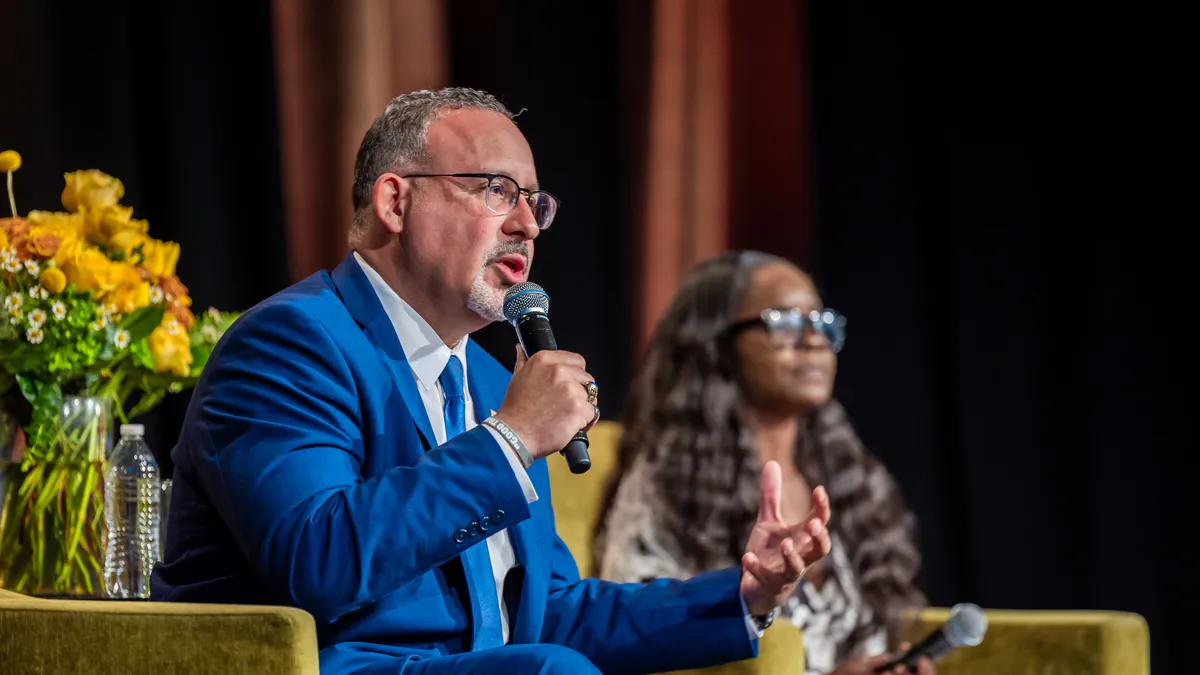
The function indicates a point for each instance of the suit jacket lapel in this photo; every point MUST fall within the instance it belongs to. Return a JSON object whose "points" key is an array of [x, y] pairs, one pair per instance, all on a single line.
{"points": [[360, 298]]}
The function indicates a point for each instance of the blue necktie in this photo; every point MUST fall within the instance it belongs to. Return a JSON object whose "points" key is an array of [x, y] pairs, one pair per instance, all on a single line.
{"points": [[476, 561]]}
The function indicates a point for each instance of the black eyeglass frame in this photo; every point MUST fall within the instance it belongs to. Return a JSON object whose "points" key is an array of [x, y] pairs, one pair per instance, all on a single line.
{"points": [[529, 194], [828, 322]]}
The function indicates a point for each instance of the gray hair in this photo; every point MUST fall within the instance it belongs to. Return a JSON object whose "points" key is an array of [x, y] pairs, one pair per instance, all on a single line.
{"points": [[398, 136]]}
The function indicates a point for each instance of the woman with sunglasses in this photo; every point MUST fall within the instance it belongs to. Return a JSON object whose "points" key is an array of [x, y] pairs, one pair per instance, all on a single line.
{"points": [[739, 372]]}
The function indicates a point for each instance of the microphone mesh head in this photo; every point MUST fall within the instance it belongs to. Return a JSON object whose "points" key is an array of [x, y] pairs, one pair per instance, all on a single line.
{"points": [[967, 625], [523, 297]]}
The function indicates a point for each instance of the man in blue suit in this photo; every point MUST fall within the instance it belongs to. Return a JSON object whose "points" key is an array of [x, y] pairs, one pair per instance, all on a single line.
{"points": [[350, 451]]}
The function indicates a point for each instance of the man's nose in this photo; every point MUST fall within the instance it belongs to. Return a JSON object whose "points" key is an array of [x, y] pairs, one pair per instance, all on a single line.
{"points": [[521, 220]]}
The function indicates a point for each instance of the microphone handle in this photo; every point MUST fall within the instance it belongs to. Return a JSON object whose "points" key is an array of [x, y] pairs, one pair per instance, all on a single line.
{"points": [[533, 330], [935, 645], [576, 452]]}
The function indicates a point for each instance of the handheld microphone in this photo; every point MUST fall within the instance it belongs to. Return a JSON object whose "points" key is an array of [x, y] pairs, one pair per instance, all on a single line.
{"points": [[965, 628], [527, 308]]}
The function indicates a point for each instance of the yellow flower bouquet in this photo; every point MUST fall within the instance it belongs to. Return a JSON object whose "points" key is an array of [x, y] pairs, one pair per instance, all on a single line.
{"points": [[93, 320]]}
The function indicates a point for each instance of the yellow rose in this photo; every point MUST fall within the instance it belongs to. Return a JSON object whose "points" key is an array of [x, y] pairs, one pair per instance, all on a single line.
{"points": [[131, 291], [161, 258], [92, 190], [53, 280], [171, 347], [91, 270], [10, 160], [158, 257], [102, 224], [52, 235]]}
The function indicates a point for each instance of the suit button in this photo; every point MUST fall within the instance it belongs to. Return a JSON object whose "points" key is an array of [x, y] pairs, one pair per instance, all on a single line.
{"points": [[473, 530], [485, 523], [460, 536], [498, 516]]}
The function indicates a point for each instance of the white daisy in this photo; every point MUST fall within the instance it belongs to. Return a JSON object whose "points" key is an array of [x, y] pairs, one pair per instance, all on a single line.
{"points": [[59, 310], [37, 317], [14, 316], [121, 338], [14, 301], [214, 314], [34, 335], [43, 293], [173, 327], [32, 267], [12, 264], [156, 295], [209, 332], [100, 324]]}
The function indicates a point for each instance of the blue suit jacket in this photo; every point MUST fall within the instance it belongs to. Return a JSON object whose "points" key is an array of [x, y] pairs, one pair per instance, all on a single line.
{"points": [[306, 474]]}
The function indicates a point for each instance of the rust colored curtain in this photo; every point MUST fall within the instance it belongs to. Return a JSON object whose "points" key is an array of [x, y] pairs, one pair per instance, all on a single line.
{"points": [[684, 202], [725, 149], [339, 63]]}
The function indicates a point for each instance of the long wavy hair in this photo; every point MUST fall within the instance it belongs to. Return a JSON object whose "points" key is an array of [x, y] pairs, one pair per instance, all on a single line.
{"points": [[683, 424]]}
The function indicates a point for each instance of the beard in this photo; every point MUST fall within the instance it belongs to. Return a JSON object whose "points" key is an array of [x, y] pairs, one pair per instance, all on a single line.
{"points": [[484, 299]]}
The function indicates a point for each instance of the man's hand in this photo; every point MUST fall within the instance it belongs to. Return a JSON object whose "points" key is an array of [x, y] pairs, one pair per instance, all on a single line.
{"points": [[546, 403], [866, 665], [778, 552]]}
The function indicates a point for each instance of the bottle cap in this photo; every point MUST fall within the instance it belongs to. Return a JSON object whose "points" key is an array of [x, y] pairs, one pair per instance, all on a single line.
{"points": [[132, 429]]}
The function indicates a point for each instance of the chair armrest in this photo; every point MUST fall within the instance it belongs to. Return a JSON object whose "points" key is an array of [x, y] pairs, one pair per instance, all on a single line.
{"points": [[1047, 643], [780, 652], [84, 636]]}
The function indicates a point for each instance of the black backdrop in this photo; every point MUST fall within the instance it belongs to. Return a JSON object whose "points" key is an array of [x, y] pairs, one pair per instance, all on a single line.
{"points": [[178, 101], [996, 194], [993, 198], [563, 69]]}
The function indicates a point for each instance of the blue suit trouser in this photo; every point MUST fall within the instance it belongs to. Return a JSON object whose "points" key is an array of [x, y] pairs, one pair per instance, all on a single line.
{"points": [[540, 659]]}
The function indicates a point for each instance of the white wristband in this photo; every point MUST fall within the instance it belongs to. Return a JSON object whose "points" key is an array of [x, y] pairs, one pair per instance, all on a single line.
{"points": [[513, 440]]}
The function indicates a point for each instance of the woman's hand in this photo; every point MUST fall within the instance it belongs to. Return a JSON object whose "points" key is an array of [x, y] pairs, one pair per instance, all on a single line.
{"points": [[866, 665]]}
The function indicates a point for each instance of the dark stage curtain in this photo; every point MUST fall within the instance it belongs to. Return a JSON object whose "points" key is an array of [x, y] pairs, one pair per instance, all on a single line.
{"points": [[175, 99], [994, 197], [559, 62]]}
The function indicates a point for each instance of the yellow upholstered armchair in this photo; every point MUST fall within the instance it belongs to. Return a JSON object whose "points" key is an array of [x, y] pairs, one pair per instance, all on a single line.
{"points": [[1045, 643], [82, 636], [102, 636]]}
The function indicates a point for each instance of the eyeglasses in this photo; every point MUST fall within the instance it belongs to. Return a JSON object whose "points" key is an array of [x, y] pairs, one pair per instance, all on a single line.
{"points": [[500, 194], [786, 327]]}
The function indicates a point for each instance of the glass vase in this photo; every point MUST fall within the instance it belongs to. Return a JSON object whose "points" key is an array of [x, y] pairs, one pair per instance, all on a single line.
{"points": [[52, 519]]}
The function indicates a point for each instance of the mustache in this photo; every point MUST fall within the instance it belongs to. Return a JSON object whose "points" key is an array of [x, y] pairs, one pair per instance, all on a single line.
{"points": [[508, 248]]}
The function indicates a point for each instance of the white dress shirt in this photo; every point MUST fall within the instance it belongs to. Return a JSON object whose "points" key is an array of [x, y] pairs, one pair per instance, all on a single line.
{"points": [[427, 355]]}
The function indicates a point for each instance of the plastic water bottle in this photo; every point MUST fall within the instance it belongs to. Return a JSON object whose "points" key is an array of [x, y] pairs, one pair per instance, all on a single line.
{"points": [[131, 511]]}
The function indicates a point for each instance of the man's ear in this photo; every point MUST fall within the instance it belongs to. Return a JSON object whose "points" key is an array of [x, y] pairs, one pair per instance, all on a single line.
{"points": [[390, 198]]}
